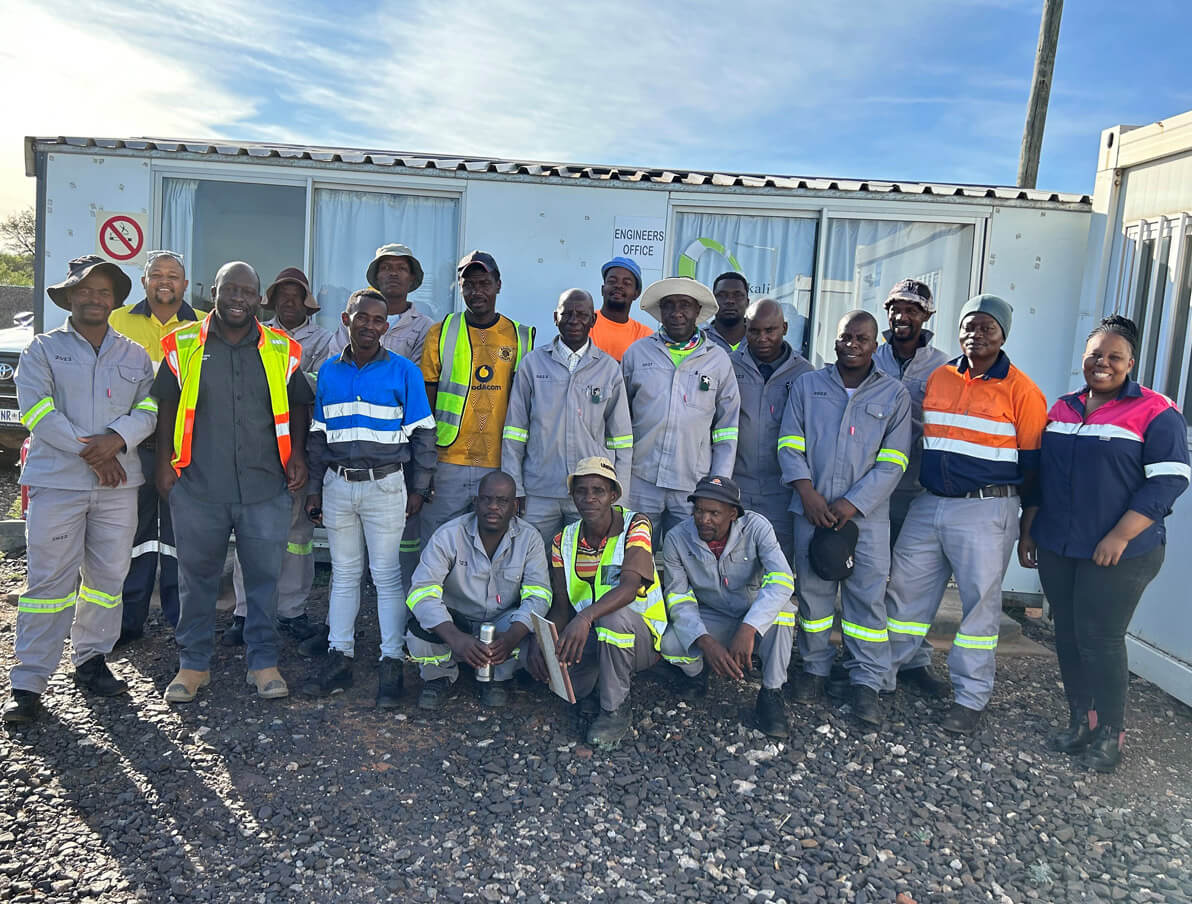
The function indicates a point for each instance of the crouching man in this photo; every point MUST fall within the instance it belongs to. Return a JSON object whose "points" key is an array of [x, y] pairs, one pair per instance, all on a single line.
{"points": [[728, 589], [607, 601], [483, 566]]}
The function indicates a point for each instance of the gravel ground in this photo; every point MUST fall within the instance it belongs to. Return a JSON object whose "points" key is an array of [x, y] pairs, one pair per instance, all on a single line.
{"points": [[236, 799]]}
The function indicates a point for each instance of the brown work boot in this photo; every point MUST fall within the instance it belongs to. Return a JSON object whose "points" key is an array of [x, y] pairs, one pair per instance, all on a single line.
{"points": [[268, 682], [185, 685]]}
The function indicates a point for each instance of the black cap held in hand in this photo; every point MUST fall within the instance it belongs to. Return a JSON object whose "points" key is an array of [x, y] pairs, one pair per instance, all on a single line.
{"points": [[832, 551]]}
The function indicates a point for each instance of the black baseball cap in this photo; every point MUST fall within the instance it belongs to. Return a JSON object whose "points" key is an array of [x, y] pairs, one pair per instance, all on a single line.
{"points": [[832, 551], [721, 489], [481, 258]]}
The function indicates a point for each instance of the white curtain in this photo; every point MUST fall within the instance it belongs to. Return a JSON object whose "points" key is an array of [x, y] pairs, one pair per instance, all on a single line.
{"points": [[351, 225], [775, 254], [178, 222], [865, 258]]}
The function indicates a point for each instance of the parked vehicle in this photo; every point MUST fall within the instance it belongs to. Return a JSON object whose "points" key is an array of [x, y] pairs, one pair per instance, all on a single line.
{"points": [[12, 342]]}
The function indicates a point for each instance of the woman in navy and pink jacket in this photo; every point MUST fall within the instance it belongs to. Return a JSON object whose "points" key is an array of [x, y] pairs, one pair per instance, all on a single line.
{"points": [[1114, 459]]}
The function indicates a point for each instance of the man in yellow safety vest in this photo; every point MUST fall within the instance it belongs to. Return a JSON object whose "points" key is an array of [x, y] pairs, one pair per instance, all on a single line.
{"points": [[231, 437], [468, 362]]}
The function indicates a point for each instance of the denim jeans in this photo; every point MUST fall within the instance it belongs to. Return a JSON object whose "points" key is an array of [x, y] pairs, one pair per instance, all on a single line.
{"points": [[371, 512], [201, 529]]}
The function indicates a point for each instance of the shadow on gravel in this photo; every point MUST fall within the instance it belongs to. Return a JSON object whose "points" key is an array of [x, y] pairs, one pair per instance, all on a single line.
{"points": [[154, 806]]}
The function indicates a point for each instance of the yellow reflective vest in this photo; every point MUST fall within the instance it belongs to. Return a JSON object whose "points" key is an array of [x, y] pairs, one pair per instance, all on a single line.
{"points": [[183, 348], [455, 380], [648, 603]]}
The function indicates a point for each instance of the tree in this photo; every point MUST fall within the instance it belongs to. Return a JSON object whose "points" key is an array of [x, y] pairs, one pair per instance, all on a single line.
{"points": [[19, 232], [16, 269]]}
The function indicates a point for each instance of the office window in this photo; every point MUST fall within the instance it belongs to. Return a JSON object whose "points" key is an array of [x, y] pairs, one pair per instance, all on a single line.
{"points": [[776, 254], [211, 222], [865, 258], [350, 225]]}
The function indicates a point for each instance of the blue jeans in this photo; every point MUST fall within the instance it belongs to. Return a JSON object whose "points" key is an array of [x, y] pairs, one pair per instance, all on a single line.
{"points": [[371, 512], [201, 529]]}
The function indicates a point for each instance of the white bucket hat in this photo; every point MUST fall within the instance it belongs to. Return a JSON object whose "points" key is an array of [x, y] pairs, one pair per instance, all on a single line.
{"points": [[679, 285]]}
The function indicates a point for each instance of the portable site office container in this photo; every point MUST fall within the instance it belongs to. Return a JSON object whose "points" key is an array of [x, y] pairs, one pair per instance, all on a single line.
{"points": [[820, 246], [1140, 265]]}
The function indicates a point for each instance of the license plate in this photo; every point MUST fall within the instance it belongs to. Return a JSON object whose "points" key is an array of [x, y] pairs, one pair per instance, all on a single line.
{"points": [[10, 416]]}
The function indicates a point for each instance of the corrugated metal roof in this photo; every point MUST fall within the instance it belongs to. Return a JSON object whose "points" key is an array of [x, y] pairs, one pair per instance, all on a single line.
{"points": [[565, 171]]}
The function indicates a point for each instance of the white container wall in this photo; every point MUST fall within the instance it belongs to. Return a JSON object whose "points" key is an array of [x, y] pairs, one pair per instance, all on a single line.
{"points": [[1140, 265], [822, 247]]}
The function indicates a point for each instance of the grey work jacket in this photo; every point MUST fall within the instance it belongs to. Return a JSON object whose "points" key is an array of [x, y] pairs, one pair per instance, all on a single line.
{"points": [[855, 447], [685, 418], [456, 574], [751, 580], [67, 391], [710, 331], [405, 338], [913, 375], [762, 404], [557, 417], [316, 342]]}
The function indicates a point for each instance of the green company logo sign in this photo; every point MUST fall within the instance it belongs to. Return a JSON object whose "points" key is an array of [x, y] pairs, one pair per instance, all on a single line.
{"points": [[691, 255]]}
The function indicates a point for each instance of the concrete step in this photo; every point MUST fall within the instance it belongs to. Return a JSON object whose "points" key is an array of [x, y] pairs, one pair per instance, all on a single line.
{"points": [[947, 620]]}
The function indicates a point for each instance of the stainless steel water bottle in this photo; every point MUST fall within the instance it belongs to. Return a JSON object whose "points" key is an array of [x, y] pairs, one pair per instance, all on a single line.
{"points": [[487, 632]]}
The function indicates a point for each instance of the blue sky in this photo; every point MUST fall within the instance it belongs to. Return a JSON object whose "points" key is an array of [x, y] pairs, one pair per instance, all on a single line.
{"points": [[931, 90]]}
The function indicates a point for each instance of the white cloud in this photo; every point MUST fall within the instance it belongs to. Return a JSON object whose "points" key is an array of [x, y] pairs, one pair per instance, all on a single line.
{"points": [[672, 83], [67, 79]]}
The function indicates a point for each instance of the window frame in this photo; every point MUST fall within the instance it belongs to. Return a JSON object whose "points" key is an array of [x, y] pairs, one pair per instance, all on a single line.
{"points": [[825, 211], [309, 179], [1123, 297]]}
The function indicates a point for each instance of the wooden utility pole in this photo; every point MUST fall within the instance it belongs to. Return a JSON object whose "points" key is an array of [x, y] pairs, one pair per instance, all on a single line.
{"points": [[1036, 111]]}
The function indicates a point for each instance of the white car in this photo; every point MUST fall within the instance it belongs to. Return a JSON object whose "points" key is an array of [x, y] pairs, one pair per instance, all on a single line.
{"points": [[12, 342]]}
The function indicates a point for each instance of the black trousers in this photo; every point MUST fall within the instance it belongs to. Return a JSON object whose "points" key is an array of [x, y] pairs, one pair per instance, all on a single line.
{"points": [[153, 546], [1092, 607]]}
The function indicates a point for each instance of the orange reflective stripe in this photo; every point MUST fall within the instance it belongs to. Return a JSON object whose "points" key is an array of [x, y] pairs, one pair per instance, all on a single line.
{"points": [[281, 357]]}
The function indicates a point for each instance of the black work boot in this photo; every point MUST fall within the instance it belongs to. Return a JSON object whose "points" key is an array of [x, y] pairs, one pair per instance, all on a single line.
{"points": [[866, 705], [435, 693], [1076, 736], [390, 683], [23, 708], [961, 720], [589, 706], [771, 713], [333, 677], [694, 687], [924, 682], [493, 693], [128, 636], [95, 677], [233, 635], [809, 688], [1104, 750], [316, 645], [610, 727], [299, 627], [838, 686]]}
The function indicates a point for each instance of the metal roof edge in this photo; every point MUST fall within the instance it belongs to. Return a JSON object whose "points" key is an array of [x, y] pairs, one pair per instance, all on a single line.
{"points": [[541, 171]]}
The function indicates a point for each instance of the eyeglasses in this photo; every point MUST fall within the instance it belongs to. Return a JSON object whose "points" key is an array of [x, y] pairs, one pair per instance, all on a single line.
{"points": [[152, 256]]}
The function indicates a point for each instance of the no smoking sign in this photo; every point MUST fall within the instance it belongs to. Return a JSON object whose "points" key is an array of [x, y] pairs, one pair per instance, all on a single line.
{"points": [[121, 236]]}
